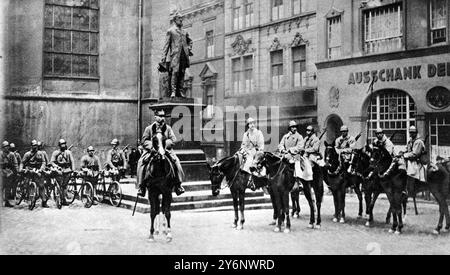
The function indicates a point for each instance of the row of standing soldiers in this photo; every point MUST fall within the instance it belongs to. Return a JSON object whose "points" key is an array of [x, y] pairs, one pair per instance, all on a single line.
{"points": [[12, 163]]}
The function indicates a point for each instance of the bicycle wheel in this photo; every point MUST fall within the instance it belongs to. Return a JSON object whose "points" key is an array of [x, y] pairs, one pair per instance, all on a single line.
{"points": [[87, 194], [18, 197], [32, 195], [115, 193], [71, 192], [100, 191], [57, 194]]}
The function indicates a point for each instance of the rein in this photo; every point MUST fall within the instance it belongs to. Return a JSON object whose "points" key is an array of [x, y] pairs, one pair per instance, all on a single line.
{"points": [[338, 168]]}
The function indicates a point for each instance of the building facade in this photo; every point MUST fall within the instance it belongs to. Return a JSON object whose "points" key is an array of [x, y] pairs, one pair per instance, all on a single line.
{"points": [[385, 64], [270, 55]]}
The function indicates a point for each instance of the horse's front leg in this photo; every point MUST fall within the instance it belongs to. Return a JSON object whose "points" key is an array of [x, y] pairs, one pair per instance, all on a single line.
{"points": [[342, 204], [275, 208], [236, 208], [360, 199], [318, 192], [286, 211], [371, 206], [336, 205], [166, 202], [308, 196], [241, 209], [154, 211]]}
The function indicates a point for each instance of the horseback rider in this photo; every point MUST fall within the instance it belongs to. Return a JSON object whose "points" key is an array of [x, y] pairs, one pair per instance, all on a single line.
{"points": [[252, 142], [159, 126], [290, 147], [63, 159], [34, 159], [312, 145], [90, 164], [382, 141], [344, 147], [9, 169], [415, 149], [115, 158]]}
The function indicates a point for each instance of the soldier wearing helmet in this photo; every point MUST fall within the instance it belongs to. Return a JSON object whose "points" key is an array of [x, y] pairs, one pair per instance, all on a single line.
{"points": [[9, 168], [34, 159], [345, 144], [414, 151], [63, 159], [13, 149], [159, 126], [90, 164], [382, 141], [290, 147], [41, 149], [116, 159], [312, 144]]}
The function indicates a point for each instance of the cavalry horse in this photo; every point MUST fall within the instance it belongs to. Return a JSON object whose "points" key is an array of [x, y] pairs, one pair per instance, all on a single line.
{"points": [[393, 181], [159, 178], [228, 172]]}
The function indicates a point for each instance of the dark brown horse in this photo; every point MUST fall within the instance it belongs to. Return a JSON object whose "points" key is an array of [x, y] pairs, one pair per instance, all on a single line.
{"points": [[228, 173], [393, 181], [159, 178], [439, 185]]}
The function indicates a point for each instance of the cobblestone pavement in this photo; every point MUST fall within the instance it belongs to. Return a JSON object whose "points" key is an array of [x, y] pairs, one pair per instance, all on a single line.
{"points": [[107, 230]]}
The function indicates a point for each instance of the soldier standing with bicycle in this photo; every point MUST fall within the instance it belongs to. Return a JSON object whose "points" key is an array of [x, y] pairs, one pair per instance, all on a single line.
{"points": [[9, 168], [115, 159], [90, 164], [34, 159], [63, 159]]}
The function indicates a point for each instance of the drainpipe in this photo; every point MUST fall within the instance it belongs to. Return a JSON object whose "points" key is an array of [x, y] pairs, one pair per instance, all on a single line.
{"points": [[140, 67]]}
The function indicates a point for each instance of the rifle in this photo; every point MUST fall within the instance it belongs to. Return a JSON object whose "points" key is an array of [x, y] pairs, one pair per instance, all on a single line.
{"points": [[126, 147], [324, 132], [358, 136]]}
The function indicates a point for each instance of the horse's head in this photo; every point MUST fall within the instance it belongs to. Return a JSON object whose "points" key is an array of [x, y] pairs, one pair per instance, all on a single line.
{"points": [[380, 159], [331, 155], [222, 171], [159, 143], [359, 160]]}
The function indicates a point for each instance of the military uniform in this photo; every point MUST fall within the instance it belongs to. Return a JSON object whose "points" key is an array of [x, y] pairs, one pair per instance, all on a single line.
{"points": [[252, 142], [115, 159], [9, 169], [344, 147], [93, 166], [35, 160], [414, 151], [149, 132], [384, 143], [65, 161], [291, 144], [311, 148]]}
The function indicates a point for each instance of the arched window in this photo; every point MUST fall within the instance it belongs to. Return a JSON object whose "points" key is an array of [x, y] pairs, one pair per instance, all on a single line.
{"points": [[394, 111]]}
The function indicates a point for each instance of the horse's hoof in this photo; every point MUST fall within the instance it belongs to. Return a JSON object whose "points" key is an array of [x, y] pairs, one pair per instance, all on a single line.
{"points": [[234, 226], [276, 230], [297, 216], [287, 231], [318, 226], [240, 227], [391, 231], [335, 220], [310, 226], [342, 221], [367, 224], [436, 232], [169, 237], [446, 229], [398, 233], [151, 239]]}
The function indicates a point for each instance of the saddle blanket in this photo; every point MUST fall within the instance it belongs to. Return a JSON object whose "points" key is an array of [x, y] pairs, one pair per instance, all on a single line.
{"points": [[416, 170], [303, 169]]}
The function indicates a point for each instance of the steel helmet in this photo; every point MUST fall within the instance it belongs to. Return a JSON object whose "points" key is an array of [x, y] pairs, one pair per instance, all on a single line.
{"points": [[413, 129], [61, 142], [12, 146], [90, 148], [34, 142], [5, 144], [251, 120], [293, 124], [115, 142], [379, 131], [160, 113], [310, 128], [344, 128]]}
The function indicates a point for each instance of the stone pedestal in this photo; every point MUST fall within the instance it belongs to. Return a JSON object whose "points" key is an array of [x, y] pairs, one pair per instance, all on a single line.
{"points": [[188, 147]]}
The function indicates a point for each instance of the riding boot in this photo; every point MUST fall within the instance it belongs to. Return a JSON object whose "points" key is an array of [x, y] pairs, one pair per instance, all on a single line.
{"points": [[179, 190]]}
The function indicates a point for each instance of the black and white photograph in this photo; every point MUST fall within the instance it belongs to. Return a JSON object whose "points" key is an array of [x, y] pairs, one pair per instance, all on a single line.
{"points": [[254, 128]]}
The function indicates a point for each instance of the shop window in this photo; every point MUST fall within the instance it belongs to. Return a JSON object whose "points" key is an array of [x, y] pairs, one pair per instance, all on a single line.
{"points": [[393, 111], [334, 37], [383, 29], [439, 21], [71, 39], [276, 60]]}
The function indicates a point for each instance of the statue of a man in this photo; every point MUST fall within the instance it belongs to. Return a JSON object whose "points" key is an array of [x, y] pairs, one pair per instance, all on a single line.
{"points": [[175, 57]]}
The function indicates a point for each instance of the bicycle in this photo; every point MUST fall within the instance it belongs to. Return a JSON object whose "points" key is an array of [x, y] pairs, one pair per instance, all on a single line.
{"points": [[114, 191], [27, 188], [52, 185], [85, 193]]}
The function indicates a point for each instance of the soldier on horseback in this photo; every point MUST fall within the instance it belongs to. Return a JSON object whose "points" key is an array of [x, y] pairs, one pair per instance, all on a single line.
{"points": [[382, 141], [415, 149], [290, 147], [344, 146], [252, 143], [159, 126], [311, 145]]}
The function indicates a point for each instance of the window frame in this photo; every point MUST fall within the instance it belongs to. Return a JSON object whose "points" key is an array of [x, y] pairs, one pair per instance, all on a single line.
{"points": [[210, 48], [279, 10], [237, 20], [242, 71], [446, 28], [280, 78], [301, 60], [300, 2], [249, 16], [329, 48], [91, 55]]}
